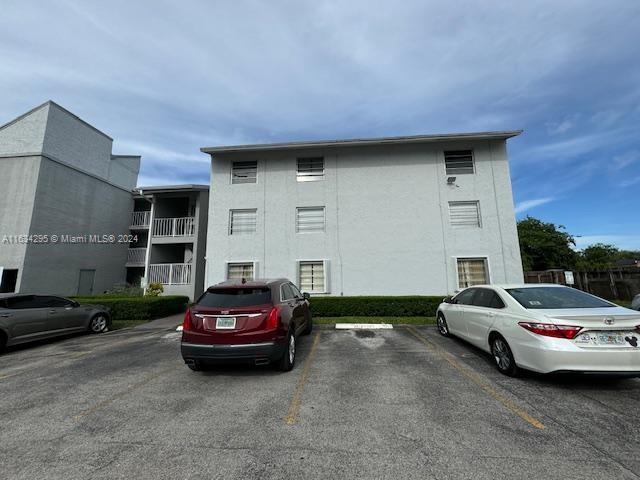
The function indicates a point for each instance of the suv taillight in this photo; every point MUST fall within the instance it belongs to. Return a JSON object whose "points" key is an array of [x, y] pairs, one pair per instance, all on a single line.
{"points": [[186, 323], [273, 319], [551, 329]]}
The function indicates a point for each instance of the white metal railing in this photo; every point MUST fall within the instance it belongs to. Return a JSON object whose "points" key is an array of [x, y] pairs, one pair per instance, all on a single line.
{"points": [[174, 227], [136, 256], [141, 219], [170, 273]]}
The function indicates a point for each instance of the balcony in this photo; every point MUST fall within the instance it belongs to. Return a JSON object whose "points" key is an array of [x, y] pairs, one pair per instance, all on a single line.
{"points": [[140, 220], [174, 227], [170, 273], [136, 257]]}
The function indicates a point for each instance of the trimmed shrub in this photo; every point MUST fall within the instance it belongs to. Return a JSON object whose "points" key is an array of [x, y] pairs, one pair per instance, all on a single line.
{"points": [[411, 306], [139, 308]]}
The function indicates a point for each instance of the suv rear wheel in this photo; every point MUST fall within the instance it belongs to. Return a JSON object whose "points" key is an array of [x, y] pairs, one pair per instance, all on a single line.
{"points": [[289, 358]]}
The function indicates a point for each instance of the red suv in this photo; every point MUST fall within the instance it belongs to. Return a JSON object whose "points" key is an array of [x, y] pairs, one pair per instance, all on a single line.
{"points": [[257, 321]]}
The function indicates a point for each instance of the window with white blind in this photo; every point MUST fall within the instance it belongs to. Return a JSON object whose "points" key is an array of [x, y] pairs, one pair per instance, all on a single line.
{"points": [[244, 172], [310, 169], [458, 162], [238, 271], [472, 271], [309, 219], [242, 221], [464, 214], [312, 276]]}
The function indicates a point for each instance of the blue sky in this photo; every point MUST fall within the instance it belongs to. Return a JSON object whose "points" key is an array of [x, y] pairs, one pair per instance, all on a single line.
{"points": [[166, 78]]}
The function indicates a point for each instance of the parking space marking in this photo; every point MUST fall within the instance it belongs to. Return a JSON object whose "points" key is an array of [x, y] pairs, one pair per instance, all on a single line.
{"points": [[125, 392], [296, 401], [478, 379]]}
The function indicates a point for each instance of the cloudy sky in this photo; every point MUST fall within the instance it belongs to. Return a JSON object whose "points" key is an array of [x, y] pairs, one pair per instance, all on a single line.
{"points": [[164, 78]]}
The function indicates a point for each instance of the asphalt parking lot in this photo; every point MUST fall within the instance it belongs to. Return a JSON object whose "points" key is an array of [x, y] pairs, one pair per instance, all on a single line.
{"points": [[402, 403]]}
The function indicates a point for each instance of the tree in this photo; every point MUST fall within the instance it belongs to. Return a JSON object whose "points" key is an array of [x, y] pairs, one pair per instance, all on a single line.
{"points": [[598, 256], [545, 245]]}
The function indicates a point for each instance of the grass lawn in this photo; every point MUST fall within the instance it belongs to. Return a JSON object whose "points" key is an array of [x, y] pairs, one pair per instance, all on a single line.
{"points": [[392, 320], [118, 324]]}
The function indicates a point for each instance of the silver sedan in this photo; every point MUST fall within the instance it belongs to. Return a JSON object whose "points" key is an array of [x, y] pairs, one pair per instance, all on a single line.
{"points": [[27, 318]]}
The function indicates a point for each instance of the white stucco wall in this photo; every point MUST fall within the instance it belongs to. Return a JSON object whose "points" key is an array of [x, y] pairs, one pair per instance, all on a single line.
{"points": [[387, 221]]}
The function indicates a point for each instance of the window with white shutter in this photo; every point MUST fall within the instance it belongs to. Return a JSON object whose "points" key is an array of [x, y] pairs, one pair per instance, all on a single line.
{"points": [[310, 169], [238, 271], [312, 276], [464, 214], [458, 162], [244, 172], [472, 271], [309, 219], [242, 221]]}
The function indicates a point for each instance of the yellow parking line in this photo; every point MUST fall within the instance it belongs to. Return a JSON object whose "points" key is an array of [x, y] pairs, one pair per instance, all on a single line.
{"points": [[478, 379], [296, 401]]}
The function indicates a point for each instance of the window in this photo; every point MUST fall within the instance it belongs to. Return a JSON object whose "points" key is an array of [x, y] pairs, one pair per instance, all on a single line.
{"points": [[556, 297], [487, 298], [244, 172], [286, 292], [235, 297], [310, 169], [296, 292], [238, 271], [464, 298], [309, 219], [22, 302], [8, 280], [242, 221], [312, 276], [54, 302], [472, 271], [458, 162], [464, 214]]}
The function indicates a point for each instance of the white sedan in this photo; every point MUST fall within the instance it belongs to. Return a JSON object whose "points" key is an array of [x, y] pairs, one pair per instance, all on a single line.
{"points": [[544, 328]]}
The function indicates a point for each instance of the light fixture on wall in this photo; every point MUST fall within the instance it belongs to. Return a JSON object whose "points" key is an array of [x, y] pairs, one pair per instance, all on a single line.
{"points": [[451, 180]]}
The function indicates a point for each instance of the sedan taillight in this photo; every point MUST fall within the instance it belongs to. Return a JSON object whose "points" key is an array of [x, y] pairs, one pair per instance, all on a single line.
{"points": [[552, 330]]}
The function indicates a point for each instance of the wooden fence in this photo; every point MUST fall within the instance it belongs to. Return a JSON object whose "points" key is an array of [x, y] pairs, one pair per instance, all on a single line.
{"points": [[612, 284]]}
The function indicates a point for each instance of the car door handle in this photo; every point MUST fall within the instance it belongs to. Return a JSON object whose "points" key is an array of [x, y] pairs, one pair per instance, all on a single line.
{"points": [[52, 311], [5, 315], [491, 314]]}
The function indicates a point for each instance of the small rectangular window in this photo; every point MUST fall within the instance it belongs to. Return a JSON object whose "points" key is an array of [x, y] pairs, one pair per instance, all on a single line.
{"points": [[472, 271], [310, 169], [238, 271], [312, 276], [464, 214], [244, 172], [242, 221], [458, 162], [309, 219]]}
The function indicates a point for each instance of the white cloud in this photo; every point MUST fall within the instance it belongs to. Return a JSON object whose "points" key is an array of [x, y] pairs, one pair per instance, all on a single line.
{"points": [[626, 159], [529, 204], [630, 181]]}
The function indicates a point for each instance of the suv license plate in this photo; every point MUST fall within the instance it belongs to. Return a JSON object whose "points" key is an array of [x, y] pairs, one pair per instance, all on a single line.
{"points": [[225, 323]]}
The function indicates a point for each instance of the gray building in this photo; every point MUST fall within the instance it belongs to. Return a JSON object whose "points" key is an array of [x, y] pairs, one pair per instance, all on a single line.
{"points": [[424, 215], [169, 226], [65, 202]]}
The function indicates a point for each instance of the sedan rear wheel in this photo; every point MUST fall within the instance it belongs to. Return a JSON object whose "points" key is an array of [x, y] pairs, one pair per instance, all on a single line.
{"points": [[502, 355], [98, 324], [443, 328]]}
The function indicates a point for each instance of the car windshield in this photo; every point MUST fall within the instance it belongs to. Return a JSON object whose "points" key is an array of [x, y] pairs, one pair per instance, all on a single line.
{"points": [[556, 297], [235, 297]]}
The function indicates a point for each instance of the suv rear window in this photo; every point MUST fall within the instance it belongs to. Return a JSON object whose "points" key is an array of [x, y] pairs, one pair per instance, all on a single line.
{"points": [[235, 297]]}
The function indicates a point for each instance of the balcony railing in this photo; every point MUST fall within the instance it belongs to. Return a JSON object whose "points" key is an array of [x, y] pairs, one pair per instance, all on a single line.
{"points": [[136, 256], [174, 227], [170, 273], [141, 219]]}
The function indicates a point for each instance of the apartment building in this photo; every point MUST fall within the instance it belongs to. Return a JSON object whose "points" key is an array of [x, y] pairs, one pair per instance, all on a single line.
{"points": [[418, 215], [169, 228], [63, 196]]}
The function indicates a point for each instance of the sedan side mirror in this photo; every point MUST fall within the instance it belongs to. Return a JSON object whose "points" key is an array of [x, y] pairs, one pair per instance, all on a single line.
{"points": [[306, 295], [448, 299]]}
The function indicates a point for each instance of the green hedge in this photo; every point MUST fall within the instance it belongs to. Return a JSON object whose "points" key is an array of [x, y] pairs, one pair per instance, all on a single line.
{"points": [[139, 308], [413, 306]]}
